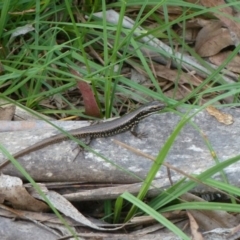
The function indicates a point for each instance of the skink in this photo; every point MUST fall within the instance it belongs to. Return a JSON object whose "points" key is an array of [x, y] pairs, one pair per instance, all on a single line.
{"points": [[105, 129]]}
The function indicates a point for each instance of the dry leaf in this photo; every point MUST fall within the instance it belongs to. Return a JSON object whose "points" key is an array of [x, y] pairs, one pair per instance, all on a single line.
{"points": [[220, 58], [91, 107], [232, 25], [196, 235], [224, 118], [65, 207], [7, 111], [178, 93], [235, 232], [212, 39], [12, 190]]}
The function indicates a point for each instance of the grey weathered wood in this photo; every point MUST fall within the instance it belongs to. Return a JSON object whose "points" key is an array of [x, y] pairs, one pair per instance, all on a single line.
{"points": [[189, 152]]}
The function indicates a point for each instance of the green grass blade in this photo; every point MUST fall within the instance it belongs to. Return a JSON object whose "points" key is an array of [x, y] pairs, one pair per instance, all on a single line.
{"points": [[144, 207]]}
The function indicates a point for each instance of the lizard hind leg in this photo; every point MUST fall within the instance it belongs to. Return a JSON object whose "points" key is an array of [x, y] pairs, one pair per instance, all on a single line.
{"points": [[137, 134], [87, 141]]}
